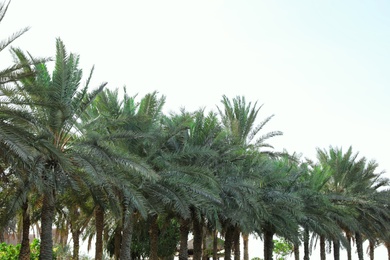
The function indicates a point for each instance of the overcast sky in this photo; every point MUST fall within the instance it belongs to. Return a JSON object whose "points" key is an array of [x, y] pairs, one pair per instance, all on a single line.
{"points": [[321, 67]]}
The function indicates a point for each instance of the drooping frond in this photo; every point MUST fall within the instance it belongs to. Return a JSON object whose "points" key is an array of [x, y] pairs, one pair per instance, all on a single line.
{"points": [[5, 43]]}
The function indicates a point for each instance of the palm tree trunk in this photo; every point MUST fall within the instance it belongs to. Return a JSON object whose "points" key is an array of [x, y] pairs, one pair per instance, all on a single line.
{"points": [[153, 232], [205, 246], [336, 250], [215, 245], [198, 234], [127, 235], [25, 247], [268, 244], [372, 249], [322, 248], [245, 241], [228, 242], [184, 231], [99, 219], [236, 243], [349, 248], [359, 245], [296, 251], [76, 232], [47, 214], [306, 238], [76, 243], [117, 241], [2, 239]]}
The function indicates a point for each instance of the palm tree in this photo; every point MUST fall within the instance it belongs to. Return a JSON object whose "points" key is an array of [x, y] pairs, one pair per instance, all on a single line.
{"points": [[183, 162], [319, 213], [239, 120], [353, 184], [203, 135], [282, 203], [13, 137], [55, 103], [119, 130]]}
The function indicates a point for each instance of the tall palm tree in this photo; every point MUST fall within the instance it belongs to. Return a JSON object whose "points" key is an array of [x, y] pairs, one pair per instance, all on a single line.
{"points": [[353, 183], [16, 153], [239, 120], [55, 103], [119, 129], [172, 148], [282, 202], [319, 211], [13, 136], [202, 141], [183, 162]]}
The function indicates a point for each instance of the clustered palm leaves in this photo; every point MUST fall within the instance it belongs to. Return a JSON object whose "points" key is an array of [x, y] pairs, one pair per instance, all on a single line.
{"points": [[103, 166]]}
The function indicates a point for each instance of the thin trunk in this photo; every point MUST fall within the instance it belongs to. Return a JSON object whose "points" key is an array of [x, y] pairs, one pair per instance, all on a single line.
{"points": [[268, 244], [296, 251], [359, 245], [229, 242], [127, 235], [372, 249], [63, 237], [322, 248], [236, 243], [336, 250], [76, 243], [306, 238], [184, 231], [99, 225], [205, 246], [76, 232], [117, 241], [47, 214], [25, 247], [153, 231], [2, 239], [198, 234], [245, 241], [349, 248], [215, 245]]}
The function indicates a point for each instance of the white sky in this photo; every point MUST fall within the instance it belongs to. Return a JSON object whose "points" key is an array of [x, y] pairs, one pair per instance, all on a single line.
{"points": [[322, 67]]}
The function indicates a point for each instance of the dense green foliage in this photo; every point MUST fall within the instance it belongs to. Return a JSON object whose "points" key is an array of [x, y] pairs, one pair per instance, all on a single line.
{"points": [[11, 252], [113, 168], [282, 248]]}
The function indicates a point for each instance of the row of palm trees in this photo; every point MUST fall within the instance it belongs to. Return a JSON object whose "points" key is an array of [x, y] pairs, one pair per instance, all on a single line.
{"points": [[99, 164]]}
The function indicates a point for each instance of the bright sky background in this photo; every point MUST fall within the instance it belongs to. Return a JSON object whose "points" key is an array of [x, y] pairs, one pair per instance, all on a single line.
{"points": [[322, 67]]}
